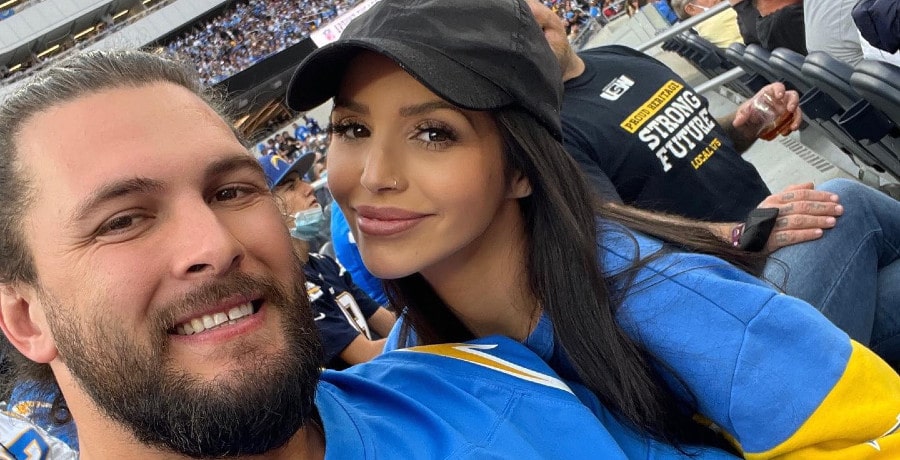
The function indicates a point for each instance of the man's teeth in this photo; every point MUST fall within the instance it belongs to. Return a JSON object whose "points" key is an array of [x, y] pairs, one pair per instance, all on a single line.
{"points": [[198, 325]]}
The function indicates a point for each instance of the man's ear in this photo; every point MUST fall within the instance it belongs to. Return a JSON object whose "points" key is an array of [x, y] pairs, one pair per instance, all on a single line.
{"points": [[519, 187], [24, 323]]}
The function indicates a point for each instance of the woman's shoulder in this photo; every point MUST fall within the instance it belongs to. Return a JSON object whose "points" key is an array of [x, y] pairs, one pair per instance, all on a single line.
{"points": [[620, 248], [645, 268]]}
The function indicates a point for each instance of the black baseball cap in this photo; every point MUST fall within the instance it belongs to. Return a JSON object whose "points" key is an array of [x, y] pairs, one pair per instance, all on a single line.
{"points": [[476, 54]]}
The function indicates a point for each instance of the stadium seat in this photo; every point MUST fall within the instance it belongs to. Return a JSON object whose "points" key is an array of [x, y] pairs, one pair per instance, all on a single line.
{"points": [[879, 83], [834, 101], [788, 64], [753, 81], [757, 58], [832, 76], [705, 56]]}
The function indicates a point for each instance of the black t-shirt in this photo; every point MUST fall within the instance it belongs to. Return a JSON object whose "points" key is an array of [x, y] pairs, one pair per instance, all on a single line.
{"points": [[783, 28], [747, 14], [333, 295], [629, 120]]}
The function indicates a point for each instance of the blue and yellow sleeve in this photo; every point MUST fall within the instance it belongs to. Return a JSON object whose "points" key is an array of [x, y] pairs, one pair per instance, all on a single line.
{"points": [[769, 370], [858, 419]]}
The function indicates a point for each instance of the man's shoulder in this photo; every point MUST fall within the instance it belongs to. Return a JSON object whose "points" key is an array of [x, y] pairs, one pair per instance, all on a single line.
{"points": [[493, 360], [476, 399], [616, 53]]}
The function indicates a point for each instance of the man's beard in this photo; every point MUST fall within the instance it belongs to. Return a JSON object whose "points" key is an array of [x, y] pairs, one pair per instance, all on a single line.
{"points": [[248, 411]]}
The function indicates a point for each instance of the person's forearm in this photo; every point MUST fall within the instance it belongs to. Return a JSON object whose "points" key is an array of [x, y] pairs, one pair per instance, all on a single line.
{"points": [[362, 350], [741, 140], [382, 321]]}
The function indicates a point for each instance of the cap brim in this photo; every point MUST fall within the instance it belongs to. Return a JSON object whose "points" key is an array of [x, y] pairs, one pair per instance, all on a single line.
{"points": [[301, 165], [319, 76]]}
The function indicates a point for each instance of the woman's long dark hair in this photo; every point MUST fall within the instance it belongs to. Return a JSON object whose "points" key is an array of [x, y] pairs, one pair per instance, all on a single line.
{"points": [[567, 280]]}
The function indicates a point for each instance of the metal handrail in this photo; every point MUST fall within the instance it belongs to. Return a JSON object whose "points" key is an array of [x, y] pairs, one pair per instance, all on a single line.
{"points": [[719, 80], [681, 26]]}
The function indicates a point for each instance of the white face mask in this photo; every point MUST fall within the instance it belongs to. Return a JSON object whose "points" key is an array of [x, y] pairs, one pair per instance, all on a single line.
{"points": [[704, 8]]}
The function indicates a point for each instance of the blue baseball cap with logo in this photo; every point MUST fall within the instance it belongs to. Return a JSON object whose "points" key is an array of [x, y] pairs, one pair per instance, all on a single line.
{"points": [[277, 167]]}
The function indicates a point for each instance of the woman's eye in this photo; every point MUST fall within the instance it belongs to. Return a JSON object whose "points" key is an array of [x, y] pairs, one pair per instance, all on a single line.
{"points": [[435, 135], [349, 130]]}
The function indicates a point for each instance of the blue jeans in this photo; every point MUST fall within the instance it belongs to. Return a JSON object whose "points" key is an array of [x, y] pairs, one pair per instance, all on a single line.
{"points": [[852, 273]]}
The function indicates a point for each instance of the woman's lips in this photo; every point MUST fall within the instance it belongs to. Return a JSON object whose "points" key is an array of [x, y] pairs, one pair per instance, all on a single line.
{"points": [[386, 221]]}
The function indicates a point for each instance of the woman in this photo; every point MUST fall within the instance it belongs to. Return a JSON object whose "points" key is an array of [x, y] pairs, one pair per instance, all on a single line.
{"points": [[445, 159]]}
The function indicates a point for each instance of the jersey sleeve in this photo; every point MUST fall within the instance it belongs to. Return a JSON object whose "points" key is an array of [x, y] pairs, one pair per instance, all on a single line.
{"points": [[22, 439], [367, 306], [334, 328], [768, 369]]}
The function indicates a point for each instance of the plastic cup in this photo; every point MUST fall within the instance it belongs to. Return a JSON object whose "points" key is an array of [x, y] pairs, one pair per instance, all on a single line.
{"points": [[771, 118]]}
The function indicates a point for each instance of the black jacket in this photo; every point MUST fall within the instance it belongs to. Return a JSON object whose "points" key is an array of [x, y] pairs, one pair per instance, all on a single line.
{"points": [[879, 23]]}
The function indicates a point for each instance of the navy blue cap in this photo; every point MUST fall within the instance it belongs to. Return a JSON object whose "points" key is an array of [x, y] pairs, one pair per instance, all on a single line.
{"points": [[277, 168]]}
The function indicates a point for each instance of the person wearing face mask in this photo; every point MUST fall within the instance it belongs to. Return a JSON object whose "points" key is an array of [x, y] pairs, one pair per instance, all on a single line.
{"points": [[721, 30], [351, 324]]}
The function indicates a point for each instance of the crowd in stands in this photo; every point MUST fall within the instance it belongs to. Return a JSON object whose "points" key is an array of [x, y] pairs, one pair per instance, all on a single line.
{"points": [[230, 42], [576, 14], [79, 40], [296, 141], [251, 31]]}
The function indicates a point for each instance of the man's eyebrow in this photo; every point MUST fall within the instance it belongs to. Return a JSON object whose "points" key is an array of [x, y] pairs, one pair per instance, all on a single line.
{"points": [[144, 185], [115, 190], [231, 164]]}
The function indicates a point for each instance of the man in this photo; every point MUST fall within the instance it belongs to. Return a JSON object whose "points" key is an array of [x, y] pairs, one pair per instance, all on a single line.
{"points": [[152, 288], [670, 154], [300, 132], [772, 23], [351, 324], [721, 30], [643, 137], [836, 266], [829, 27]]}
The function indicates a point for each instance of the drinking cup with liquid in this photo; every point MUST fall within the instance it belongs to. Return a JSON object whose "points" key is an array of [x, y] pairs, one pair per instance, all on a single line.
{"points": [[771, 117]]}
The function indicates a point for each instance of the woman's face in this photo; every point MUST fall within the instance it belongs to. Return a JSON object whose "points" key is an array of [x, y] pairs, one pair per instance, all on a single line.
{"points": [[420, 181]]}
